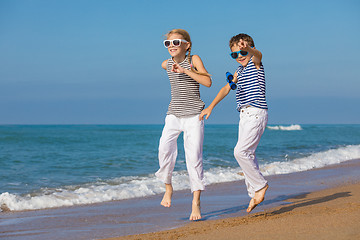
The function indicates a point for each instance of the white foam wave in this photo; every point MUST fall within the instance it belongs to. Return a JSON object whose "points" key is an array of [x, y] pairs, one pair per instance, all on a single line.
{"points": [[132, 187], [316, 160], [293, 127]]}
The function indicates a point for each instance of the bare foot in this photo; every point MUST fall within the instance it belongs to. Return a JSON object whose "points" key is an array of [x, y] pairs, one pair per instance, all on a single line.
{"points": [[166, 201], [5, 208], [259, 197], [196, 212]]}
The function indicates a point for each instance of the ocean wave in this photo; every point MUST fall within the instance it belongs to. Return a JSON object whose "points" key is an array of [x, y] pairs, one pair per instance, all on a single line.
{"points": [[315, 160], [293, 127], [133, 187]]}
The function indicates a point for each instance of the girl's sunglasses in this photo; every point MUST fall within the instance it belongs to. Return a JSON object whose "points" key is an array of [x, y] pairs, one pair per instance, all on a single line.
{"points": [[175, 42], [235, 55]]}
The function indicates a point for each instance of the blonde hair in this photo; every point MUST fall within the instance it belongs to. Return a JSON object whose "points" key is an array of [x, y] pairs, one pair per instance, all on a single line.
{"points": [[186, 37]]}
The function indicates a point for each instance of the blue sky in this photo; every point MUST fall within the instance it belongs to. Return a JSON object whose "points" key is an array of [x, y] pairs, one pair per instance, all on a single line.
{"points": [[99, 62]]}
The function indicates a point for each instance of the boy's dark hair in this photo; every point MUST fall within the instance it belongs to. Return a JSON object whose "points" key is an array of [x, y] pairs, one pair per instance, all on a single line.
{"points": [[235, 39]]}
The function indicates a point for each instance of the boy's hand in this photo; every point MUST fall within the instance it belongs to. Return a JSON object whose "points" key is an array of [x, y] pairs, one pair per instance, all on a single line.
{"points": [[204, 112], [177, 68], [257, 55], [243, 45]]}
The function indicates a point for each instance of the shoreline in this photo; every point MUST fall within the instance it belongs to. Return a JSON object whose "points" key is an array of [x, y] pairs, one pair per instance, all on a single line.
{"points": [[221, 202], [332, 213], [317, 205]]}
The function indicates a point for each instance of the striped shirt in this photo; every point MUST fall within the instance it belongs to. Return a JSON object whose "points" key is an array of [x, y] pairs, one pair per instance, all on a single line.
{"points": [[251, 86], [185, 94]]}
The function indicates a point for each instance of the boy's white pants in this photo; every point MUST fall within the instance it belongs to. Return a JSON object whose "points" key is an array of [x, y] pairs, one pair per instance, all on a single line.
{"points": [[193, 130], [251, 127]]}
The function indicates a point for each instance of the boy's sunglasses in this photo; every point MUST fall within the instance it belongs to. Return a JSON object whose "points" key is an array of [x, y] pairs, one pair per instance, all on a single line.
{"points": [[235, 55], [175, 42]]}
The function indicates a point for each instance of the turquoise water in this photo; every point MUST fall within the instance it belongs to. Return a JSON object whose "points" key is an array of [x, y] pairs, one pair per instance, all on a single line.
{"points": [[97, 163]]}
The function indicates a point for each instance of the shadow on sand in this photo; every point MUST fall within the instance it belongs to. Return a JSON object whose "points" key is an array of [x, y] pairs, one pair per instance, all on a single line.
{"points": [[309, 202], [293, 205], [232, 210]]}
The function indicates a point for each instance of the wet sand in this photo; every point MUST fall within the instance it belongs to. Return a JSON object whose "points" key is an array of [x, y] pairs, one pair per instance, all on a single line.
{"points": [[294, 204], [328, 214]]}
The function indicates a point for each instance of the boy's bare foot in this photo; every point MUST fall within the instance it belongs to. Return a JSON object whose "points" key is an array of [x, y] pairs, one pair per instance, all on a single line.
{"points": [[259, 197], [166, 201], [196, 212]]}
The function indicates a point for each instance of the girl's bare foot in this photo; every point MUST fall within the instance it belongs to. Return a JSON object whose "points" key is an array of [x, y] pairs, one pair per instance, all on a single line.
{"points": [[196, 210], [259, 197], [166, 201]]}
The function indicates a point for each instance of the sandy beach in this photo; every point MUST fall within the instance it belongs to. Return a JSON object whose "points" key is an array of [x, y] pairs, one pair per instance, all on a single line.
{"points": [[332, 213], [317, 204]]}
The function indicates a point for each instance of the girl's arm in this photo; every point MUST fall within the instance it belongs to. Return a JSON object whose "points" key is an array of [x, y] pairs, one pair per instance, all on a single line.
{"points": [[163, 64], [224, 91], [198, 64]]}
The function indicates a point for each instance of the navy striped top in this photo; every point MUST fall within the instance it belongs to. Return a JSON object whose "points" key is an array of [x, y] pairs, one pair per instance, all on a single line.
{"points": [[251, 86]]}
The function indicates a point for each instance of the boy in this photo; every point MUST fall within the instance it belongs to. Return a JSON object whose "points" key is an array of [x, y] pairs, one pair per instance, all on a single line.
{"points": [[251, 103]]}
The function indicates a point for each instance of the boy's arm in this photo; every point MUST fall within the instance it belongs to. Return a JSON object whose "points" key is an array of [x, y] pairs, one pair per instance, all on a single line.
{"points": [[224, 91], [257, 55]]}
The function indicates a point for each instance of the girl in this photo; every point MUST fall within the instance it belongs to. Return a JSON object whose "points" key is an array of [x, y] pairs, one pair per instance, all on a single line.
{"points": [[185, 73]]}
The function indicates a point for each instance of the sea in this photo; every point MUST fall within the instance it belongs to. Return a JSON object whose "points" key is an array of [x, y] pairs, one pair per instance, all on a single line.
{"points": [[52, 166]]}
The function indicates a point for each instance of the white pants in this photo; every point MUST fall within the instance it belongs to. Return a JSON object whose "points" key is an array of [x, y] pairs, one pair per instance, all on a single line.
{"points": [[251, 127], [193, 130]]}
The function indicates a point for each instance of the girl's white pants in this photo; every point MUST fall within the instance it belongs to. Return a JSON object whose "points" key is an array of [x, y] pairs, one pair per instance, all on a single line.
{"points": [[193, 129], [251, 127]]}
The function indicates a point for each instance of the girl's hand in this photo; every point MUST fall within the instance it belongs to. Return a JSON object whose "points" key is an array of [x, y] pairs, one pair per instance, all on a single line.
{"points": [[177, 68]]}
